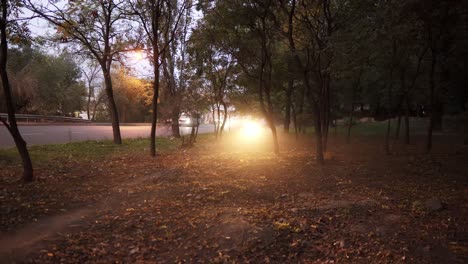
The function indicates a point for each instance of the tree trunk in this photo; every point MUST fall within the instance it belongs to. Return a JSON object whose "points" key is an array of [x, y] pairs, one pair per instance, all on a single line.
{"points": [[88, 105], [295, 122], [350, 124], [154, 118], [112, 106], [389, 122], [318, 138], [12, 126], [438, 114], [326, 114], [289, 90], [213, 114], [175, 122], [96, 103], [430, 128], [466, 124], [192, 136], [196, 133], [398, 126], [407, 123], [224, 119], [218, 132]]}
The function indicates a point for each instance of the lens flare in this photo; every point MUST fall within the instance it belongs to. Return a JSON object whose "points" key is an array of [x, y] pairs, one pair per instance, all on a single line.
{"points": [[252, 129], [138, 55]]}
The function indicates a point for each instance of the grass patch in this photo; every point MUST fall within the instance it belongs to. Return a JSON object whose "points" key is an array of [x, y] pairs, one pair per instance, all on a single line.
{"points": [[41, 155], [378, 128]]}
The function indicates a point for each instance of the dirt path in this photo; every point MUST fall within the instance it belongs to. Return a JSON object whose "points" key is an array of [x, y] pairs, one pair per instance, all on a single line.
{"points": [[216, 203], [17, 244]]}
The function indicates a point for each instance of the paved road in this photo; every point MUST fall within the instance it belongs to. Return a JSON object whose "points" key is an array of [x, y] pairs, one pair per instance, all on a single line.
{"points": [[56, 134]]}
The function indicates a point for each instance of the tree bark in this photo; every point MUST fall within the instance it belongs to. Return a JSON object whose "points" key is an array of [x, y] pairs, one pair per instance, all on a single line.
{"points": [[466, 124], [398, 126], [289, 91], [407, 122], [438, 115], [175, 122], [326, 113], [111, 103], [154, 118], [389, 122], [88, 104], [224, 119], [318, 137], [213, 114], [295, 122], [430, 127], [350, 124], [12, 126], [275, 137]]}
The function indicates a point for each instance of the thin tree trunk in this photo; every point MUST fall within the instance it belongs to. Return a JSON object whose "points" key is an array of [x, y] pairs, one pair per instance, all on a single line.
{"points": [[175, 122], [192, 136], [196, 133], [389, 122], [407, 122], [12, 126], [438, 114], [295, 122], [218, 132], [275, 137], [112, 106], [353, 98], [88, 105], [224, 118], [318, 137], [350, 124], [390, 94], [154, 118], [95, 108], [432, 99], [326, 114], [466, 124], [214, 121], [289, 90], [398, 126]]}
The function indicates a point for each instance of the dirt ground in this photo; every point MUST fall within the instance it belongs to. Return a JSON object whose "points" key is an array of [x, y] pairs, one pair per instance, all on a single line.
{"points": [[235, 201]]}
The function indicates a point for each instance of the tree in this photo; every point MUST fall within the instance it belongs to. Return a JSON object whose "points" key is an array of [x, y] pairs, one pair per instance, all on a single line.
{"points": [[91, 75], [99, 30], [245, 31], [8, 28], [159, 24], [133, 95], [216, 71], [44, 84]]}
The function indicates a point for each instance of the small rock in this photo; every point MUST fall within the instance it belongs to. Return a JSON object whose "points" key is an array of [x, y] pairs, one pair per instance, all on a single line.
{"points": [[433, 204], [294, 210], [133, 251]]}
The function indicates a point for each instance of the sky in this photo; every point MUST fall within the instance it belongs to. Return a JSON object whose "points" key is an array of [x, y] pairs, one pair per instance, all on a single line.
{"points": [[40, 28], [140, 65]]}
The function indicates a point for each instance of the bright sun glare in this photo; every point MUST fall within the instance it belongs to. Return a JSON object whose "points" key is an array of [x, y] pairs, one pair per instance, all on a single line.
{"points": [[252, 129], [138, 55]]}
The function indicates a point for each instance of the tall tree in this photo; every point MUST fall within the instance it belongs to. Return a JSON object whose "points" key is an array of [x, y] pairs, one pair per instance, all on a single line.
{"points": [[91, 75], [159, 21], [11, 9], [99, 29]]}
